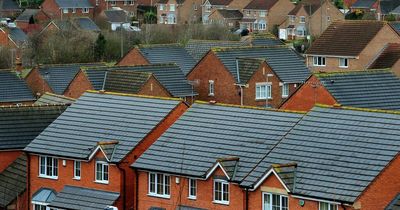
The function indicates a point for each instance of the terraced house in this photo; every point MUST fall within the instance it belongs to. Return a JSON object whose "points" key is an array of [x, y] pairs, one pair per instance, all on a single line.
{"points": [[301, 167], [254, 76], [87, 151], [178, 11], [209, 6], [337, 49], [64, 9]]}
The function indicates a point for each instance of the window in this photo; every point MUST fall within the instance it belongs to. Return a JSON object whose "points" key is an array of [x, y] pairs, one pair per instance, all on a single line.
{"points": [[131, 2], [328, 18], [301, 32], [172, 7], [48, 167], [192, 189], [327, 206], [159, 185], [102, 172], [292, 18], [65, 11], [343, 62], [263, 90], [85, 10], [211, 87], [275, 202], [248, 12], [125, 2], [262, 13], [161, 7], [221, 191], [262, 26], [208, 8], [97, 2], [77, 169], [319, 61], [285, 90], [302, 19], [73, 10], [113, 3], [195, 8], [171, 19], [39, 207]]}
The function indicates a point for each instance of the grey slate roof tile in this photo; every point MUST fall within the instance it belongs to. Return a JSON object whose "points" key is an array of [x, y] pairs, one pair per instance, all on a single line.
{"points": [[74, 3], [44, 195], [123, 81], [198, 48], [284, 61], [366, 4], [172, 53], [96, 117], [20, 125], [395, 204], [27, 14], [76, 198], [53, 99], [87, 24], [9, 5], [349, 144], [366, 89], [13, 89], [13, 181], [116, 16], [221, 132]]}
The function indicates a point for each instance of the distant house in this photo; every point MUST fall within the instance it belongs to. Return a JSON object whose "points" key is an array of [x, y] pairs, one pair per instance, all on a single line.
{"points": [[348, 89], [389, 58], [209, 6], [31, 18], [309, 17], [227, 17], [12, 37], [14, 90], [14, 182], [381, 8], [9, 8], [159, 54], [262, 15], [253, 76], [198, 48], [178, 11], [337, 49], [83, 24], [64, 9], [54, 99], [116, 19]]}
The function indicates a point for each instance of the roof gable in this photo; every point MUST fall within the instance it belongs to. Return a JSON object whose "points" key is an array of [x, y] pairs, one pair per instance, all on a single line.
{"points": [[125, 81], [388, 58]]}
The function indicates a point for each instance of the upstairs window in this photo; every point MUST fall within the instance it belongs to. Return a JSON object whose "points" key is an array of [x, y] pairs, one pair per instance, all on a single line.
{"points": [[48, 167], [302, 19], [211, 87], [65, 11], [343, 63], [285, 90], [172, 7], [319, 61], [102, 172], [292, 18], [131, 2], [248, 12], [221, 191], [192, 188], [85, 10], [327, 206], [263, 91], [73, 10], [113, 3], [159, 185], [262, 13], [275, 202], [208, 8], [161, 6], [77, 169]]}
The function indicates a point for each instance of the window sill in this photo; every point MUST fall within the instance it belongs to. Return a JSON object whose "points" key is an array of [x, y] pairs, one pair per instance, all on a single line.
{"points": [[192, 198], [159, 196], [101, 182], [221, 202], [76, 178], [48, 177], [319, 65], [210, 94], [262, 99], [285, 96], [343, 67]]}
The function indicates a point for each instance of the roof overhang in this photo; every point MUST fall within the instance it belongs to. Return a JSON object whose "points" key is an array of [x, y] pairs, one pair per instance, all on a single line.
{"points": [[266, 175]]}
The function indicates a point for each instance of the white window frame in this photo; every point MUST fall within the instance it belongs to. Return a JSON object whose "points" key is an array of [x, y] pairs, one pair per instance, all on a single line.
{"points": [[224, 185], [40, 205], [285, 90], [262, 26], [131, 2], [331, 206], [166, 185], [77, 167], [270, 197], [161, 7], [73, 10], [344, 61], [248, 12], [65, 10], [85, 10], [262, 13], [172, 8], [97, 2], [113, 3], [208, 8], [319, 61], [292, 18], [211, 88], [268, 91], [328, 18], [302, 19], [192, 185], [53, 168], [103, 179]]}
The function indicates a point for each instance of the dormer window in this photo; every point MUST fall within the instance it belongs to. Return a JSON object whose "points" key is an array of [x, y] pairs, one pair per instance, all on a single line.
{"points": [[101, 172], [274, 201], [221, 191]]}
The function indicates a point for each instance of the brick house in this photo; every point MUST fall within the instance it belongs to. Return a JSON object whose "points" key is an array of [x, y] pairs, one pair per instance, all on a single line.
{"points": [[310, 17], [227, 17], [388, 58], [337, 49], [31, 18], [64, 9], [380, 8], [13, 38], [14, 90], [261, 15], [253, 76], [63, 79], [9, 8], [188, 168], [178, 11], [129, 6], [347, 88], [209, 6], [110, 131]]}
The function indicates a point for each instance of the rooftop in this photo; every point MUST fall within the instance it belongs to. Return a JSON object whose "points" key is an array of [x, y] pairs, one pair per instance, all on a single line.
{"points": [[13, 88], [13, 181], [388, 58]]}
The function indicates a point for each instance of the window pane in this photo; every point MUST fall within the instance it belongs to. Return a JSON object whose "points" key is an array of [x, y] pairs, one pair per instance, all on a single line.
{"points": [[42, 165], [323, 206], [159, 181], [333, 207], [105, 172], [276, 202], [152, 183], [267, 202], [167, 185], [55, 167], [285, 204], [225, 192], [217, 191], [98, 171], [192, 187]]}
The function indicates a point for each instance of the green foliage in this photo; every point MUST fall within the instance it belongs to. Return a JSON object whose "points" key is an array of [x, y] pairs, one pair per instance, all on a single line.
{"points": [[275, 30], [354, 15], [100, 48], [339, 4], [390, 17], [150, 17]]}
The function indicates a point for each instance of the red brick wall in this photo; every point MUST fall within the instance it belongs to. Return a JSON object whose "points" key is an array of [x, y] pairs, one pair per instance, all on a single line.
{"points": [[36, 82], [179, 194], [307, 96], [7, 157], [134, 57], [154, 88], [78, 85], [4, 41], [51, 8]]}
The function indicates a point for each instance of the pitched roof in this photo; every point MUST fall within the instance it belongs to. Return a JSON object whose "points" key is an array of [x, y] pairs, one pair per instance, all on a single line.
{"points": [[338, 38], [61, 75], [126, 81], [395, 204], [247, 67], [205, 134], [169, 75], [338, 152], [310, 6], [261, 4], [220, 2], [389, 56], [76, 198], [9, 5], [378, 89], [388, 6], [230, 13], [17, 35], [396, 26], [87, 24], [54, 99], [284, 61], [166, 1], [124, 118], [198, 48], [13, 181], [363, 4], [116, 16], [27, 14], [74, 4], [44, 195], [19, 125], [265, 39], [169, 53], [13, 89]]}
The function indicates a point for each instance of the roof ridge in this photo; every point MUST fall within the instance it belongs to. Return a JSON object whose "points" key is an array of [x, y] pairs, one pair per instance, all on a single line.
{"points": [[33, 106], [214, 40], [67, 64], [333, 73], [249, 107], [222, 49], [160, 45], [351, 108], [132, 95], [59, 96]]}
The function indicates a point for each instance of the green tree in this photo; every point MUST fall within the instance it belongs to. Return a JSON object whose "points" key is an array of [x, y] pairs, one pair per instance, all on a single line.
{"points": [[100, 47]]}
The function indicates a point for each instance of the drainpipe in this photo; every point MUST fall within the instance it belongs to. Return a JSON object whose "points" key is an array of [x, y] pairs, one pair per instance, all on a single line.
{"points": [[28, 165], [123, 186], [247, 198], [241, 95], [137, 189]]}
